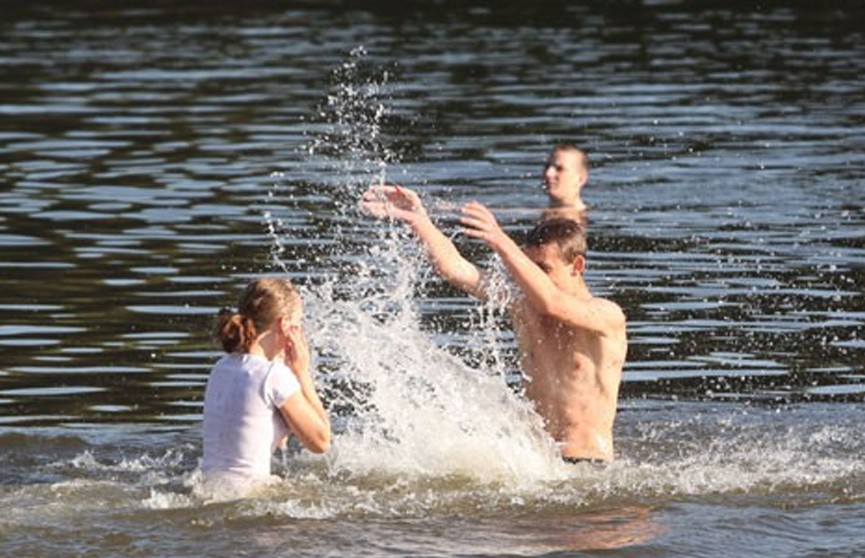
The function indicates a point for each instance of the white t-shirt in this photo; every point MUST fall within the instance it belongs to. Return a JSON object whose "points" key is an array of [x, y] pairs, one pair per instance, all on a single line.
{"points": [[242, 423]]}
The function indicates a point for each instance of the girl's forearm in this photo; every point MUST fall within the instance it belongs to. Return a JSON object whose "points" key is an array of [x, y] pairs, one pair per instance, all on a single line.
{"points": [[307, 388]]}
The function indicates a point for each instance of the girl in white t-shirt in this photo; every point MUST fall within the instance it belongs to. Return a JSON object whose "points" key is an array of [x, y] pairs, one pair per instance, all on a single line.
{"points": [[261, 390]]}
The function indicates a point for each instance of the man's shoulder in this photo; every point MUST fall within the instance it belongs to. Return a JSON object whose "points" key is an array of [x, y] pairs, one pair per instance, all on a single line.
{"points": [[610, 306], [610, 316]]}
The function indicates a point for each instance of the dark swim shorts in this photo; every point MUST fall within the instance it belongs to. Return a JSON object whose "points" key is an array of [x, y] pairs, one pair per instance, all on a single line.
{"points": [[581, 460]]}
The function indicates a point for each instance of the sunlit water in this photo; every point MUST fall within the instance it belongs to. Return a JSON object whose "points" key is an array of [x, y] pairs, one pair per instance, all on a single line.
{"points": [[154, 161]]}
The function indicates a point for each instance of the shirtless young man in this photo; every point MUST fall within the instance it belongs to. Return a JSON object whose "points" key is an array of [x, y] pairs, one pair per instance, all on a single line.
{"points": [[572, 344], [565, 174]]}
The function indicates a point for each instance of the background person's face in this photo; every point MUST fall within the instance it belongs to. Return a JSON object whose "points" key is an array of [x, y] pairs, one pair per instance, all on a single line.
{"points": [[562, 175]]}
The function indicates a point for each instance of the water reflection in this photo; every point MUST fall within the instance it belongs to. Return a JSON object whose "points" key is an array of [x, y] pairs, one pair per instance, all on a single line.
{"points": [[623, 527]]}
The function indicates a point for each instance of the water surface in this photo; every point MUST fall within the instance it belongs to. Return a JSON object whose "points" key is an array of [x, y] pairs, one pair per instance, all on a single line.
{"points": [[154, 159]]}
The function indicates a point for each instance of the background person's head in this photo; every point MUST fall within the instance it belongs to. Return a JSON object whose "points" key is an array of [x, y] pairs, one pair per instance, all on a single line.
{"points": [[261, 305], [565, 174]]}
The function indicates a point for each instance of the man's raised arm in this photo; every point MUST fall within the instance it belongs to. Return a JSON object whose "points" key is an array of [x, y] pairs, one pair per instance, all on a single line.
{"points": [[396, 202]]}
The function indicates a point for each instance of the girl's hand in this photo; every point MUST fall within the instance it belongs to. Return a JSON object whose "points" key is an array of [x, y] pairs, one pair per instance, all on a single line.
{"points": [[297, 350]]}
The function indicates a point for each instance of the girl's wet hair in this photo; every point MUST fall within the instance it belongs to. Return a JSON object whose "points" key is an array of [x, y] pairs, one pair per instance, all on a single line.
{"points": [[567, 234], [262, 302]]}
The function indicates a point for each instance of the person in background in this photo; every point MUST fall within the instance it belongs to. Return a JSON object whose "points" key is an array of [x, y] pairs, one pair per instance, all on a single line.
{"points": [[261, 389], [565, 174], [572, 344]]}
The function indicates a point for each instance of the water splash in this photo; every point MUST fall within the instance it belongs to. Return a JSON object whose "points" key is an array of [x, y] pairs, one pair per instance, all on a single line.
{"points": [[406, 405], [354, 113], [421, 410]]}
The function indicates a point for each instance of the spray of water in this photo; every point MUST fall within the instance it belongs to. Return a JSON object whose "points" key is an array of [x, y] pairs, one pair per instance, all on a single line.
{"points": [[408, 406]]}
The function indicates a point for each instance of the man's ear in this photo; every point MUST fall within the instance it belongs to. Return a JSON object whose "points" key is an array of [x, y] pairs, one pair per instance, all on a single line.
{"points": [[579, 265]]}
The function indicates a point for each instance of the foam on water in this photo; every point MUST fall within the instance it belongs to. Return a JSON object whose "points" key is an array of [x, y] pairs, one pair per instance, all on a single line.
{"points": [[794, 457], [756, 457], [759, 452]]}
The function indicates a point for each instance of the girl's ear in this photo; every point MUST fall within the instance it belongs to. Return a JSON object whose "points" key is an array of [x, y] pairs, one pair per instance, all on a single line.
{"points": [[579, 265]]}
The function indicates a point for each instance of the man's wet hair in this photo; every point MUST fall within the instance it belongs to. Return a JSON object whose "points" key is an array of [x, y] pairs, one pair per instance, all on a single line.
{"points": [[567, 234]]}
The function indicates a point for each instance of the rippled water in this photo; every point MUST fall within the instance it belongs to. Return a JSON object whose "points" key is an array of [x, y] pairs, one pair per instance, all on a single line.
{"points": [[153, 159]]}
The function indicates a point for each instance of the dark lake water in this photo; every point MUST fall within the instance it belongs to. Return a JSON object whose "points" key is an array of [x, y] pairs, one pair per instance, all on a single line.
{"points": [[154, 158]]}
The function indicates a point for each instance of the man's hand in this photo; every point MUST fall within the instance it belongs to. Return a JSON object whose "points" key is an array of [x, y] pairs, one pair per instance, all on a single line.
{"points": [[479, 222], [394, 202]]}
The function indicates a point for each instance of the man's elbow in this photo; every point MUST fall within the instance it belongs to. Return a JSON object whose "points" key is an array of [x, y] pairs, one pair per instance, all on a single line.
{"points": [[462, 277], [458, 281]]}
